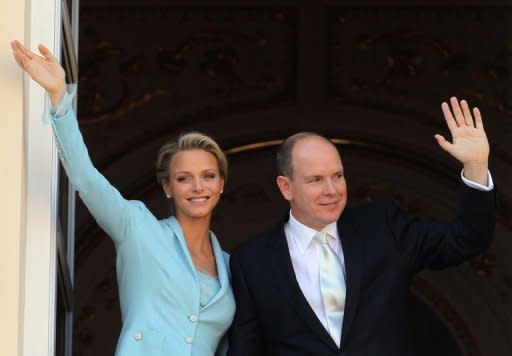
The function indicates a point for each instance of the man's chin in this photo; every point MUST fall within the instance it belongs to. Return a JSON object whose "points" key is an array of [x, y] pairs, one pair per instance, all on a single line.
{"points": [[332, 218]]}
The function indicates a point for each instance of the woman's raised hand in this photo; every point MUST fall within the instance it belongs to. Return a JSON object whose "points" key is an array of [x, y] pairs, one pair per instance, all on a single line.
{"points": [[45, 70]]}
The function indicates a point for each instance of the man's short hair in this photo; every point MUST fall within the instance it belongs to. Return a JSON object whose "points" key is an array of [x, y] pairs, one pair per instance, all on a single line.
{"points": [[285, 150]]}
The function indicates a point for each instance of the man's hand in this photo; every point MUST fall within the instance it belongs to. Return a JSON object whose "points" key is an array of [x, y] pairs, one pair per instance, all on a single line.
{"points": [[45, 70], [470, 145]]}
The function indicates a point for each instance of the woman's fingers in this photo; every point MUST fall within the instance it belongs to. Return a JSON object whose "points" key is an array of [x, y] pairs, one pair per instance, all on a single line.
{"points": [[46, 53], [22, 55], [26, 52], [19, 56]]}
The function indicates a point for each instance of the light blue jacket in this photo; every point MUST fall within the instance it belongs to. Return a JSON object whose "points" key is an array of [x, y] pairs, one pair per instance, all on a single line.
{"points": [[158, 283]]}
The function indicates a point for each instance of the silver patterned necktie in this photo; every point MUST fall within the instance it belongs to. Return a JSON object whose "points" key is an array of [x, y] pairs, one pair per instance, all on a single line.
{"points": [[332, 286]]}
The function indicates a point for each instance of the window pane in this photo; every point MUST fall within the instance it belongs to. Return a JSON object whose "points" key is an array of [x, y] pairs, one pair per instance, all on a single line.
{"points": [[63, 204]]}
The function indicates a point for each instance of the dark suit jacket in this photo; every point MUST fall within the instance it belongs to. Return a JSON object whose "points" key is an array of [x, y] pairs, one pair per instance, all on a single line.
{"points": [[383, 247]]}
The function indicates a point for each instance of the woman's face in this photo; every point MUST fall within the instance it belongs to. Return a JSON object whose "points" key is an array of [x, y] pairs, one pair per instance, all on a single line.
{"points": [[194, 183]]}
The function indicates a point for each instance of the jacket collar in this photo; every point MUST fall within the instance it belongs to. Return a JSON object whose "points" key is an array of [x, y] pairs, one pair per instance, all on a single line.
{"points": [[220, 260]]}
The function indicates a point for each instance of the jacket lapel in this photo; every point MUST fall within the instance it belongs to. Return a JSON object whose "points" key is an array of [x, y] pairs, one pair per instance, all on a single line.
{"points": [[352, 245], [286, 282], [222, 271], [178, 234], [222, 268]]}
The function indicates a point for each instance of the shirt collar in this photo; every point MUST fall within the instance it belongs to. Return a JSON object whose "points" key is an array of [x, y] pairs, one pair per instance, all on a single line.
{"points": [[303, 235]]}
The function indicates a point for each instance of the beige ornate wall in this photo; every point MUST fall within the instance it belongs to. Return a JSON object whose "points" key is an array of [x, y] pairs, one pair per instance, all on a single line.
{"points": [[12, 181], [27, 189]]}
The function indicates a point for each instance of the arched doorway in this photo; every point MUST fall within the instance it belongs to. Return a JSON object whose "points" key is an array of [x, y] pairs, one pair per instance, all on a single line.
{"points": [[252, 75]]}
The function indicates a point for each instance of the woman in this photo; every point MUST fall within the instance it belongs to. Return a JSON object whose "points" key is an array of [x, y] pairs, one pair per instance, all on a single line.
{"points": [[173, 278]]}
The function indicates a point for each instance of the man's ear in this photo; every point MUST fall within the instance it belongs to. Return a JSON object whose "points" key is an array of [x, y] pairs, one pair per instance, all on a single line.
{"points": [[285, 187]]}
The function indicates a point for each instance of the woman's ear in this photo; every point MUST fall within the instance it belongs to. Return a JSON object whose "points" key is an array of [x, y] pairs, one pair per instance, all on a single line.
{"points": [[166, 187]]}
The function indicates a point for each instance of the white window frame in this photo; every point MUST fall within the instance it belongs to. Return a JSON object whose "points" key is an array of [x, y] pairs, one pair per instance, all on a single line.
{"points": [[43, 25]]}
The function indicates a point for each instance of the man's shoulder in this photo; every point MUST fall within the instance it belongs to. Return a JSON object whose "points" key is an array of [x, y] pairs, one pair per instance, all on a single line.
{"points": [[366, 210]]}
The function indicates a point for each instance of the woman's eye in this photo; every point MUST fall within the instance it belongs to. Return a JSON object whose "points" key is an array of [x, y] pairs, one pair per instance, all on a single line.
{"points": [[181, 179], [209, 176]]}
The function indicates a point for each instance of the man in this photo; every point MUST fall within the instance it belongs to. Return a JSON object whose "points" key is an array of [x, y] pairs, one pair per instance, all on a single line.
{"points": [[335, 281]]}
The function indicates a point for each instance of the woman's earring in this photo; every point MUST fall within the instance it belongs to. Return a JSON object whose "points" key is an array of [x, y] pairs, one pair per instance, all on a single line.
{"points": [[168, 196]]}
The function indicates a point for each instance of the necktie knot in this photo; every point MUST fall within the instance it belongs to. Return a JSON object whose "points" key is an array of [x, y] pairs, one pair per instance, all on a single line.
{"points": [[321, 237]]}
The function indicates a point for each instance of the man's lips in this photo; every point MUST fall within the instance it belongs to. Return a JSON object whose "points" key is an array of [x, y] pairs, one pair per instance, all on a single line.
{"points": [[333, 203]]}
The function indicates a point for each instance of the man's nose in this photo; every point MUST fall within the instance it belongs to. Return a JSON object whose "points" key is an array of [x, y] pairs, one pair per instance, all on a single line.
{"points": [[329, 187]]}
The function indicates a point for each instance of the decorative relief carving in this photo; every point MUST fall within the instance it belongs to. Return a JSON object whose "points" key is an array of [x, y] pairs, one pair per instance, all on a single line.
{"points": [[403, 57], [194, 57]]}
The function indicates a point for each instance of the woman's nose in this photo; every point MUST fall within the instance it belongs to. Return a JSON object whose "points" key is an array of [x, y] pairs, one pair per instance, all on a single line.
{"points": [[197, 185]]}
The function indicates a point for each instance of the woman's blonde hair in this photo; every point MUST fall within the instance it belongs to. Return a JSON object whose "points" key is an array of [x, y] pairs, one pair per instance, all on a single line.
{"points": [[185, 142]]}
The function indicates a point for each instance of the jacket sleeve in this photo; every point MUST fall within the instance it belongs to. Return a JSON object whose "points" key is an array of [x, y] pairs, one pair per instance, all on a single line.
{"points": [[245, 334], [108, 207], [441, 244]]}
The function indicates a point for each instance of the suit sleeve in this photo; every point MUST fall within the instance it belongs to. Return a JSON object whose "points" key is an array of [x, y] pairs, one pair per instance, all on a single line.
{"points": [[109, 208], [245, 334], [436, 244]]}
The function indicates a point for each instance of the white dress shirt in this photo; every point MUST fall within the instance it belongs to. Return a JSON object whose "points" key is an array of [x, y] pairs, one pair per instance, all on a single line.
{"points": [[302, 249]]}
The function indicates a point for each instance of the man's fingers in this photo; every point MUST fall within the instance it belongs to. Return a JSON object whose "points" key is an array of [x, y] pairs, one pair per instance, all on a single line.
{"points": [[467, 114], [478, 118], [445, 145], [459, 117], [450, 121]]}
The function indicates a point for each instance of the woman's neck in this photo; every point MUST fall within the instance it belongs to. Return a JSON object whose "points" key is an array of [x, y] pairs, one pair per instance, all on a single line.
{"points": [[197, 234]]}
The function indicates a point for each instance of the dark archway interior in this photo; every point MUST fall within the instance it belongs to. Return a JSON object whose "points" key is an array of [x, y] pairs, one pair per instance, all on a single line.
{"points": [[370, 76]]}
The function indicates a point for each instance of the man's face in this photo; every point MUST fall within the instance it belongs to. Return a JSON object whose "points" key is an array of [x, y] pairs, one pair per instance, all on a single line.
{"points": [[317, 190]]}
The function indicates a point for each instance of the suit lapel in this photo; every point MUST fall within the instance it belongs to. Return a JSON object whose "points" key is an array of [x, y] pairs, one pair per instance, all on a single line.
{"points": [[286, 282], [352, 245]]}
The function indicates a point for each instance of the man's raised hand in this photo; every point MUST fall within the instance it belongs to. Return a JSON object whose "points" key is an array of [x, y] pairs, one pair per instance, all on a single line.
{"points": [[469, 142]]}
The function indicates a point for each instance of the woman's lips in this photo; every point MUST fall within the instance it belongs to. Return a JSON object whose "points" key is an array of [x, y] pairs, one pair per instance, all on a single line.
{"points": [[198, 199]]}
